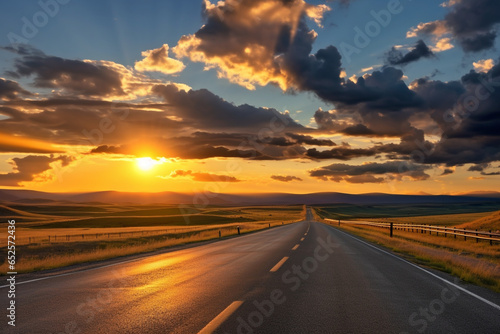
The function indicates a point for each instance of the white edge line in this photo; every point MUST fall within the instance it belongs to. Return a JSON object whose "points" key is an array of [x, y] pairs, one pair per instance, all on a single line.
{"points": [[218, 320], [428, 272], [279, 264]]}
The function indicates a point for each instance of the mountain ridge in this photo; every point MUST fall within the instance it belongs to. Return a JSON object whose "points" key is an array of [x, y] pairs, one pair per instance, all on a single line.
{"points": [[210, 198]]}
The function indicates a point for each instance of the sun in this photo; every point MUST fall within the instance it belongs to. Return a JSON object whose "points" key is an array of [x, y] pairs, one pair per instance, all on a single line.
{"points": [[146, 163]]}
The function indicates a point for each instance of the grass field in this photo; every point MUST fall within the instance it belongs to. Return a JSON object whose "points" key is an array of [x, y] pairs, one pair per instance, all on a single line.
{"points": [[135, 229], [441, 220], [349, 211]]}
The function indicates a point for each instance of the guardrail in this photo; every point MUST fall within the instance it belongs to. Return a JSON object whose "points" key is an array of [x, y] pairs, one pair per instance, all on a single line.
{"points": [[423, 229]]}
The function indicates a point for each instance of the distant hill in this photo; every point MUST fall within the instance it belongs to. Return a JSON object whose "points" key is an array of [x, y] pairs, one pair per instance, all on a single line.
{"points": [[484, 194], [204, 199], [491, 222]]}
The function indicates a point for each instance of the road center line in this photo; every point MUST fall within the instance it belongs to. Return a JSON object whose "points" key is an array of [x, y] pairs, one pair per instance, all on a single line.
{"points": [[428, 272], [218, 320], [302, 239], [278, 265], [295, 247]]}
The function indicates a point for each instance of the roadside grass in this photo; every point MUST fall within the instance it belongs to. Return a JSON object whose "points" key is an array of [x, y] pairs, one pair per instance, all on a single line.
{"points": [[478, 263], [442, 220], [49, 256]]}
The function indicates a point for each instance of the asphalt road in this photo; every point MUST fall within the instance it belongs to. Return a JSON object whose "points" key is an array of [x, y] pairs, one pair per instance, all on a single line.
{"points": [[305, 277]]}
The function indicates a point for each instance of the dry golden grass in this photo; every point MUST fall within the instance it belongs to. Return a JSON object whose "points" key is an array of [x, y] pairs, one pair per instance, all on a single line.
{"points": [[448, 220], [490, 222], [478, 263]]}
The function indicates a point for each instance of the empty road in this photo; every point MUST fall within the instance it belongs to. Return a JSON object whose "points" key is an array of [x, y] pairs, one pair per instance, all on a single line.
{"points": [[305, 277]]}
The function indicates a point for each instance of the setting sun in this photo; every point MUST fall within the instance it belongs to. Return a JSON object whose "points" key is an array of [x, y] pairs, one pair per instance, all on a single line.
{"points": [[146, 164]]}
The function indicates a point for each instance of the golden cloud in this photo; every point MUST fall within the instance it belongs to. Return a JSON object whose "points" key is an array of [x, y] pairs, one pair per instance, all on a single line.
{"points": [[157, 60], [241, 39]]}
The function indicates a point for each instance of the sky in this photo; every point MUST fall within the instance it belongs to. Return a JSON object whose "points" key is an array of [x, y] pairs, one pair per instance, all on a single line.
{"points": [[250, 96]]}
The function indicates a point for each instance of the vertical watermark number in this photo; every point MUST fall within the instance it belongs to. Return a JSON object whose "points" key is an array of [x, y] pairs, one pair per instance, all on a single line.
{"points": [[11, 274]]}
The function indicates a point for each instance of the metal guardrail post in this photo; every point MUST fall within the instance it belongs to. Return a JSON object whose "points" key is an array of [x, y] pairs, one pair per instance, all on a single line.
{"points": [[392, 227]]}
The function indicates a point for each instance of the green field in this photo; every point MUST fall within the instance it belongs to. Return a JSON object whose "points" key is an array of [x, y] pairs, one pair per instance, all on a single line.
{"points": [[349, 211], [110, 216]]}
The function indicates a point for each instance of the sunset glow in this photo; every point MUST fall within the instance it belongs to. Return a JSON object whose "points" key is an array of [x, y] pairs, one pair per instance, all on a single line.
{"points": [[300, 99], [146, 164]]}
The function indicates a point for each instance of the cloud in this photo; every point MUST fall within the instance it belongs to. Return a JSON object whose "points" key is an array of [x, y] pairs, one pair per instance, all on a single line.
{"points": [[473, 23], [483, 65], [436, 28], [481, 168], [371, 172], [309, 140], [341, 153], [206, 110], [75, 76], [285, 178], [79, 78], [442, 44], [87, 122], [10, 90], [242, 39], [420, 50], [30, 168], [203, 177], [157, 60], [449, 3], [448, 171], [478, 167]]}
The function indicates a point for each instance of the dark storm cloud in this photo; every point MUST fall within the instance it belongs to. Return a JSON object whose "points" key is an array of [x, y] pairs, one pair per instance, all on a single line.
{"points": [[341, 153], [371, 172], [10, 90], [447, 171], [309, 140], [479, 41], [473, 23], [420, 50], [30, 167], [285, 178], [75, 76], [357, 130], [179, 149], [206, 110], [478, 167], [227, 40]]}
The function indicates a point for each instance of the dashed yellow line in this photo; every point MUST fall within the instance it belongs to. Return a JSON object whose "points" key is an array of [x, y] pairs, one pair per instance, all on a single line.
{"points": [[278, 265], [218, 320]]}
